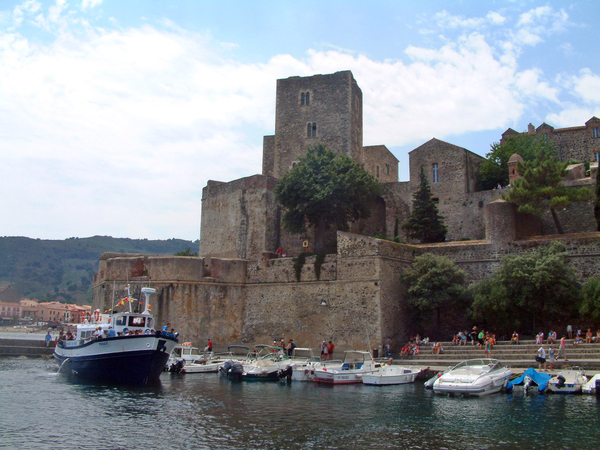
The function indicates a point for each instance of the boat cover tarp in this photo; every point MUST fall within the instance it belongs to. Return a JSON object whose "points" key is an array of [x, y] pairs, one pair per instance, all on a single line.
{"points": [[539, 378]]}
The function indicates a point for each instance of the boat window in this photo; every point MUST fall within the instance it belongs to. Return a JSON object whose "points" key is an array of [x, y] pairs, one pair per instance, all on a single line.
{"points": [[137, 321], [121, 320]]}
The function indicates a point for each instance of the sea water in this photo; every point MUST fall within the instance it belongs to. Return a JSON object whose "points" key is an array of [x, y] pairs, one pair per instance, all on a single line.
{"points": [[41, 409]]}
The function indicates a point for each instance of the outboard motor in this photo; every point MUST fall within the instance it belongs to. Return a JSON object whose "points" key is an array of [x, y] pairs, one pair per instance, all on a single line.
{"points": [[560, 381], [237, 369], [178, 366], [286, 373]]}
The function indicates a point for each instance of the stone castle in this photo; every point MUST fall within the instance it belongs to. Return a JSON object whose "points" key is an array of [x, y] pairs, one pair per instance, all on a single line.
{"points": [[237, 290]]}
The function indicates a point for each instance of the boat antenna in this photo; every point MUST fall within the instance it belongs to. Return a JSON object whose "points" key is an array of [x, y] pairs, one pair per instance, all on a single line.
{"points": [[113, 297], [147, 291]]}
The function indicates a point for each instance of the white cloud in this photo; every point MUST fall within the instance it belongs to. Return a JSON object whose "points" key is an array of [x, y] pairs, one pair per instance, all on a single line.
{"points": [[537, 23], [116, 131], [85, 4]]}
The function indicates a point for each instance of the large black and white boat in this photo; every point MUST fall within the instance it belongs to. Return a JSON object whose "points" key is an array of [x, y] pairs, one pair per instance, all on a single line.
{"points": [[132, 350]]}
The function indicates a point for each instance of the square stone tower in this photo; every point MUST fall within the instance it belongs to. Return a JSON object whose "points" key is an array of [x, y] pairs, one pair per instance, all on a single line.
{"points": [[311, 110]]}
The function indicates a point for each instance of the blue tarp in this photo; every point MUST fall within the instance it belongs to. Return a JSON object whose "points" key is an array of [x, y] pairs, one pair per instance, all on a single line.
{"points": [[539, 378]]}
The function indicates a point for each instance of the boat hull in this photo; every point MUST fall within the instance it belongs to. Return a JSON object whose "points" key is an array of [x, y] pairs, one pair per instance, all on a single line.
{"points": [[390, 375], [138, 359]]}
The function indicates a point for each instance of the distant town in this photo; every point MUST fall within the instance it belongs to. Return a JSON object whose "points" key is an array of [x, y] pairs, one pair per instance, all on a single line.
{"points": [[15, 311]]}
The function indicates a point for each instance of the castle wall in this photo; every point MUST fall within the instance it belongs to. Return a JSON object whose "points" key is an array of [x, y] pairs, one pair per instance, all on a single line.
{"points": [[381, 163], [335, 107], [239, 219]]}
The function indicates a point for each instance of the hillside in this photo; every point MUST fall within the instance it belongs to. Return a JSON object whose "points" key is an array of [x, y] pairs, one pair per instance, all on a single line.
{"points": [[63, 270]]}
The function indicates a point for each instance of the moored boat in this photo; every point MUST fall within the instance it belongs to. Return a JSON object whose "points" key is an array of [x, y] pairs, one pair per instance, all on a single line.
{"points": [[304, 363], [592, 386], [356, 363], [391, 374], [473, 377], [528, 379], [568, 381], [130, 350]]}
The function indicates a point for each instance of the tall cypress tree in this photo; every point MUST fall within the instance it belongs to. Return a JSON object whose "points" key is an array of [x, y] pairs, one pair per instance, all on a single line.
{"points": [[425, 222]]}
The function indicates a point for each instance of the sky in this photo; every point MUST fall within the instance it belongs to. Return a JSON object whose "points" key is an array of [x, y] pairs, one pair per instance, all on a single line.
{"points": [[114, 114]]}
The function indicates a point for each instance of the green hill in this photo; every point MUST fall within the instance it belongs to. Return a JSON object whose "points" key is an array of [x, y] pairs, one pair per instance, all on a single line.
{"points": [[63, 270]]}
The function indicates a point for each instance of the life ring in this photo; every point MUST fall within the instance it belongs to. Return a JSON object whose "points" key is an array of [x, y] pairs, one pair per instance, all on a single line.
{"points": [[96, 316]]}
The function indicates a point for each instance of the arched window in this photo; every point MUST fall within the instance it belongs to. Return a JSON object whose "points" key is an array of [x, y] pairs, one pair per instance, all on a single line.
{"points": [[311, 129], [436, 173], [305, 98]]}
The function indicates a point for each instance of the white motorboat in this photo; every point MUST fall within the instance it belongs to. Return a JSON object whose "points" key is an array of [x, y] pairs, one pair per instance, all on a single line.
{"points": [[132, 352], [183, 355], [356, 364], [592, 386], [304, 363], [391, 374], [568, 381], [270, 364], [474, 377]]}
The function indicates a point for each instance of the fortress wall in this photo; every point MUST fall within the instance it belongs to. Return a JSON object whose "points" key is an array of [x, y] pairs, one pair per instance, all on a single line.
{"points": [[281, 270], [173, 268], [239, 218], [335, 106], [350, 316], [575, 144], [578, 218]]}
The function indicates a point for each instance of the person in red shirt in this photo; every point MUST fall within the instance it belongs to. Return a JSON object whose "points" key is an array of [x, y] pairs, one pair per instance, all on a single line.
{"points": [[330, 348]]}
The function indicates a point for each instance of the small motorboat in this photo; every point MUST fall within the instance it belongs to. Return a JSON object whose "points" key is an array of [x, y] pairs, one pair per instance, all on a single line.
{"points": [[270, 364], [304, 363], [530, 378], [181, 356], [568, 381], [356, 364], [592, 386], [391, 374], [473, 377]]}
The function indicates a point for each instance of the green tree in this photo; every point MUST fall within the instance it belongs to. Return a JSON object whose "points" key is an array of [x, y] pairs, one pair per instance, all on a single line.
{"points": [[494, 169], [590, 304], [540, 188], [434, 285], [425, 222], [186, 252], [325, 190], [528, 290]]}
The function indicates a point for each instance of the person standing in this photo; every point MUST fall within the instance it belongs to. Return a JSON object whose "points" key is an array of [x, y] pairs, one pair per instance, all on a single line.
{"points": [[551, 357], [541, 357], [570, 331], [330, 348], [48, 338], [562, 348]]}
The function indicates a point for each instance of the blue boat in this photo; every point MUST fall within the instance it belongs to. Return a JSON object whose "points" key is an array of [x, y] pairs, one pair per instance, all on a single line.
{"points": [[529, 377]]}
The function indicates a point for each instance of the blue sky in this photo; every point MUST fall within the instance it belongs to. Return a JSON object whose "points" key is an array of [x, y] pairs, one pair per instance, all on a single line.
{"points": [[116, 113]]}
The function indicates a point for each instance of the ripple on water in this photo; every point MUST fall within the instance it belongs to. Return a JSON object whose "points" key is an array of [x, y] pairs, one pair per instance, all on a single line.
{"points": [[204, 411]]}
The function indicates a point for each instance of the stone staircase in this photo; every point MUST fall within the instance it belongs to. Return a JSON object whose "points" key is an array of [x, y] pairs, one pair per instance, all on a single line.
{"points": [[521, 356]]}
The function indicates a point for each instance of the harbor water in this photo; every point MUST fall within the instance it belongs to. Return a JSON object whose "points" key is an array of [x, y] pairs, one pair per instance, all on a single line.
{"points": [[45, 410]]}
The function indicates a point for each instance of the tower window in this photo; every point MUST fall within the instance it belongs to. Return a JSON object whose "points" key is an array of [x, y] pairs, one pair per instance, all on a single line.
{"points": [[596, 132], [387, 169], [311, 129], [377, 171], [596, 156], [305, 98], [436, 173]]}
